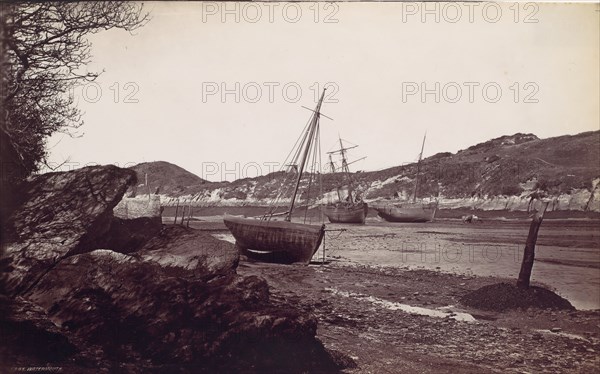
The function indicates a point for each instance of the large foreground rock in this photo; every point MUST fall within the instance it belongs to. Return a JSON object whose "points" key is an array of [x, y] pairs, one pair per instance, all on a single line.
{"points": [[28, 338], [91, 292], [132, 308], [62, 214], [177, 247], [136, 220]]}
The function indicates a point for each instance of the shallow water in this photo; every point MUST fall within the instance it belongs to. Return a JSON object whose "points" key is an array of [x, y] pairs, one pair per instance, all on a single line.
{"points": [[459, 316], [567, 257], [567, 252], [226, 237]]}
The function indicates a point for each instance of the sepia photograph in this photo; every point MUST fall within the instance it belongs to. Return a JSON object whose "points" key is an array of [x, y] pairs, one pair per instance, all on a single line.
{"points": [[299, 187]]}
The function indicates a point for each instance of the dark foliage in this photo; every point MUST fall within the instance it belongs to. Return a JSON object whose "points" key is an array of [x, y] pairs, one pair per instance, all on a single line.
{"points": [[44, 51]]}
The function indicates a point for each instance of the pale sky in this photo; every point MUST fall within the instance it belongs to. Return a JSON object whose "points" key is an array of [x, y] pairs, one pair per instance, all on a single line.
{"points": [[378, 59]]}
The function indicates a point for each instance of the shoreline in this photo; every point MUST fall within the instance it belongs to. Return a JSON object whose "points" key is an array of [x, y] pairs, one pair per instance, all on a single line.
{"points": [[376, 312], [355, 320], [209, 209], [567, 252]]}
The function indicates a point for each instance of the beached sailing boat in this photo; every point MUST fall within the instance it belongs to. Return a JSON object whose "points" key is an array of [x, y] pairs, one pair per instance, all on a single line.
{"points": [[350, 209], [410, 211], [267, 239]]}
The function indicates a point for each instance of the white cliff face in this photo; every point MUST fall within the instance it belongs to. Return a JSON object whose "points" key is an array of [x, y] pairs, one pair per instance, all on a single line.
{"points": [[398, 178], [578, 199], [593, 203]]}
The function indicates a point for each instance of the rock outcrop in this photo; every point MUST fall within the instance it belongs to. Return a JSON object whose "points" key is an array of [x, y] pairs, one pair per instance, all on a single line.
{"points": [[134, 308], [62, 214], [181, 248], [29, 338], [172, 303], [136, 220]]}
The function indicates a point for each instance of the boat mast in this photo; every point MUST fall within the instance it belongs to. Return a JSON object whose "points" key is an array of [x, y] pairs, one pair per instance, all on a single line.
{"points": [[419, 168], [331, 164], [313, 126], [346, 169]]}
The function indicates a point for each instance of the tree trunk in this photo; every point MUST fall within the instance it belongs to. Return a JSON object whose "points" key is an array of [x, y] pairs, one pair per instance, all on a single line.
{"points": [[529, 253]]}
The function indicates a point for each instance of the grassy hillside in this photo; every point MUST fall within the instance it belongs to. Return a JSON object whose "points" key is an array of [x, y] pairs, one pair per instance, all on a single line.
{"points": [[166, 178], [503, 166]]}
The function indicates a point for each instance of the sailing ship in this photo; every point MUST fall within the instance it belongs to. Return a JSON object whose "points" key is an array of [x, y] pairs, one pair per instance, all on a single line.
{"points": [[351, 209], [283, 241], [410, 211]]}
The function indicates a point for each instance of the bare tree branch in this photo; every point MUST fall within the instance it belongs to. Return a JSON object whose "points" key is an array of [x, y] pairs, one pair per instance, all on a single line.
{"points": [[45, 47]]}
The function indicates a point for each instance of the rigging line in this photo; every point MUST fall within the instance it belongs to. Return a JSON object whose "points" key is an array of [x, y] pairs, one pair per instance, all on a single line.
{"points": [[302, 135], [310, 177], [318, 177], [273, 205], [282, 192], [285, 191], [322, 219], [315, 166], [315, 171], [294, 160], [309, 184], [299, 146], [349, 142], [418, 169], [308, 196], [304, 159], [313, 153], [333, 146]]}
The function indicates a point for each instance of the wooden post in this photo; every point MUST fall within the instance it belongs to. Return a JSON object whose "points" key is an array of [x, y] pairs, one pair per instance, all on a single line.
{"points": [[323, 248], [182, 214], [189, 215], [176, 211], [529, 253]]}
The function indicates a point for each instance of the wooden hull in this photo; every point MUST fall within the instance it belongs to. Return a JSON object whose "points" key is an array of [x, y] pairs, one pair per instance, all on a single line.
{"points": [[407, 212], [346, 213], [275, 241]]}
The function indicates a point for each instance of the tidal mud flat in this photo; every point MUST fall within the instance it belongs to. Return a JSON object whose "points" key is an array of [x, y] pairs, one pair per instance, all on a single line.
{"points": [[361, 313], [389, 295], [567, 251]]}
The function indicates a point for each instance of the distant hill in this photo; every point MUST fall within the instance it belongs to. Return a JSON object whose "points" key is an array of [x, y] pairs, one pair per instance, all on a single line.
{"points": [[505, 166], [496, 174], [167, 178]]}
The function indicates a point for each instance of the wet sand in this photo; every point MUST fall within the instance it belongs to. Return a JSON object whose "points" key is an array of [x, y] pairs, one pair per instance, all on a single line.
{"points": [[567, 251], [388, 295], [361, 313]]}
